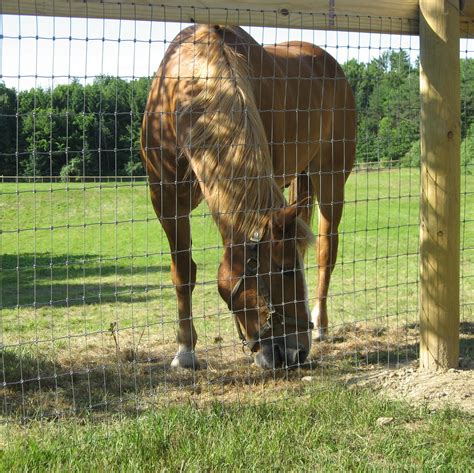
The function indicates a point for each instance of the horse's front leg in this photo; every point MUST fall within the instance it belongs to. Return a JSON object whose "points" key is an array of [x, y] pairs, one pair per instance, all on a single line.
{"points": [[176, 224]]}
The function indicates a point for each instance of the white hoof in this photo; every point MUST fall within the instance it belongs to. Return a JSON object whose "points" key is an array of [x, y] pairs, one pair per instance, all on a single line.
{"points": [[185, 358], [322, 334], [316, 319]]}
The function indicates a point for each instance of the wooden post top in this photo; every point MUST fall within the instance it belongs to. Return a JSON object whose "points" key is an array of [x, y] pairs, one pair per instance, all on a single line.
{"points": [[382, 16]]}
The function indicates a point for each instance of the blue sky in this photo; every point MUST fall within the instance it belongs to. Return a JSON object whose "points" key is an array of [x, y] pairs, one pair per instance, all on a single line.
{"points": [[78, 50]]}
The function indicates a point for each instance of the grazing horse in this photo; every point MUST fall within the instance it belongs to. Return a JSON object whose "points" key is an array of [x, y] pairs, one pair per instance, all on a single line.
{"points": [[235, 123]]}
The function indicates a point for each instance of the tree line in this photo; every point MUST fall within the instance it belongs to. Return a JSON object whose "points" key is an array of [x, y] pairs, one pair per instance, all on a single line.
{"points": [[94, 129]]}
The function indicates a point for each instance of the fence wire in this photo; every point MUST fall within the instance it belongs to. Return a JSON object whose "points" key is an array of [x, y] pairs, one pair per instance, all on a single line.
{"points": [[89, 309]]}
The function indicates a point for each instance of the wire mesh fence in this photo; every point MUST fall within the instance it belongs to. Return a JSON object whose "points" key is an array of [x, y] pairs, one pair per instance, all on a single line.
{"points": [[90, 312]]}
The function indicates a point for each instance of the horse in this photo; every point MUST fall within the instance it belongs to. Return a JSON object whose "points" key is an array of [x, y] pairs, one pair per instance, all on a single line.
{"points": [[235, 123]]}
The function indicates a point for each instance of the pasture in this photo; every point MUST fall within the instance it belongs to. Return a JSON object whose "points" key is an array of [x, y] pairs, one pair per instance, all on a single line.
{"points": [[88, 327], [89, 311]]}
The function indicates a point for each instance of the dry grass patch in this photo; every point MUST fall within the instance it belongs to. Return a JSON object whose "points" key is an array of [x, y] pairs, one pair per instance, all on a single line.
{"points": [[129, 373]]}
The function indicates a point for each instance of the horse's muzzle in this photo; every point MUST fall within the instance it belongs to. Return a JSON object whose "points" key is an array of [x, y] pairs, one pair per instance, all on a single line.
{"points": [[275, 353]]}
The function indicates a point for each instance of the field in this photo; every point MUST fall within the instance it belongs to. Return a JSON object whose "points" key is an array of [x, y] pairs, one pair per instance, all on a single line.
{"points": [[88, 326], [89, 311]]}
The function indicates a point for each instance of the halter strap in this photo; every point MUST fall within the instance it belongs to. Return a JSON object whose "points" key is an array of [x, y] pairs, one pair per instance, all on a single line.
{"points": [[251, 269]]}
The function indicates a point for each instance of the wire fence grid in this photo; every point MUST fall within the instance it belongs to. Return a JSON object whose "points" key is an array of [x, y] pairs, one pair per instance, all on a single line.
{"points": [[89, 310]]}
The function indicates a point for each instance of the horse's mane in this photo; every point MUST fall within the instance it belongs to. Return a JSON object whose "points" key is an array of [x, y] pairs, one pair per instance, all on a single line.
{"points": [[222, 134]]}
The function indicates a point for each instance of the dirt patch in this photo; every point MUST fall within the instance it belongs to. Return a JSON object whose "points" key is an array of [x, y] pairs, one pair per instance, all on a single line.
{"points": [[454, 387]]}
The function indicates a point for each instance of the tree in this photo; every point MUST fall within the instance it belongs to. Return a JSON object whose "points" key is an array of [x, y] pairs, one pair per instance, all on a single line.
{"points": [[387, 101], [467, 94], [411, 159], [8, 127], [94, 129], [467, 151]]}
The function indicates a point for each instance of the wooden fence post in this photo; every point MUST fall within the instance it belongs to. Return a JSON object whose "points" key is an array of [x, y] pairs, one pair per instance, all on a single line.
{"points": [[440, 183]]}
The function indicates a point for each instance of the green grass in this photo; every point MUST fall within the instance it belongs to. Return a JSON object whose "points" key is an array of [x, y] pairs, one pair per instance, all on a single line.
{"points": [[78, 259], [90, 254], [327, 428]]}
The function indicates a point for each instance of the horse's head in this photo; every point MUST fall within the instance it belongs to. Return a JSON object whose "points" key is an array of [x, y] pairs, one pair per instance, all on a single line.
{"points": [[263, 282]]}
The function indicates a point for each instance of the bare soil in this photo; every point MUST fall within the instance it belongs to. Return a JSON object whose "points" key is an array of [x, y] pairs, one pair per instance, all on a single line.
{"points": [[443, 388], [454, 387]]}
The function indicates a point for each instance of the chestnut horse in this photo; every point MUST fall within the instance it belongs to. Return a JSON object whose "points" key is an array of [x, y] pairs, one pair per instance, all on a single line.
{"points": [[234, 123]]}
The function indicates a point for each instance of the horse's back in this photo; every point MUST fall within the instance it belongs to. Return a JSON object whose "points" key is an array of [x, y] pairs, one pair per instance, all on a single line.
{"points": [[297, 86]]}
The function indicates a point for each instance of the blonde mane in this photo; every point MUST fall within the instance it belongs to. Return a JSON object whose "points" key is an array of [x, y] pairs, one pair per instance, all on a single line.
{"points": [[222, 134]]}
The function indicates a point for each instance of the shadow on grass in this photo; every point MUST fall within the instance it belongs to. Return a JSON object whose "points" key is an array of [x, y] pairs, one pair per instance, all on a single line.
{"points": [[38, 387], [40, 279], [356, 345], [130, 382], [466, 343]]}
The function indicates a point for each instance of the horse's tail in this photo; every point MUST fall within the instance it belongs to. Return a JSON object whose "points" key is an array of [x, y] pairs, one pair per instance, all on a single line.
{"points": [[222, 134]]}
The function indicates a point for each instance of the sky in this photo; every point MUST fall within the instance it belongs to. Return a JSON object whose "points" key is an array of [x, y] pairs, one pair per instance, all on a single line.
{"points": [[46, 51]]}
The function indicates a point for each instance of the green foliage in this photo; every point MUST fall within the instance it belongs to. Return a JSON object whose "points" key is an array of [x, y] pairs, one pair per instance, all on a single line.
{"points": [[8, 130], [467, 150], [73, 130], [386, 91], [94, 129], [134, 168], [411, 159], [467, 94]]}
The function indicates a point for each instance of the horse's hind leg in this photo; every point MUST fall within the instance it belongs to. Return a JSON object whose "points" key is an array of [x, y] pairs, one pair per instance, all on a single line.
{"points": [[330, 194], [172, 208], [329, 186]]}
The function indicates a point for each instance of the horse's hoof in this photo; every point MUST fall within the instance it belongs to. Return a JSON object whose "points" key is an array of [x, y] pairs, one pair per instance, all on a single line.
{"points": [[322, 334], [185, 359]]}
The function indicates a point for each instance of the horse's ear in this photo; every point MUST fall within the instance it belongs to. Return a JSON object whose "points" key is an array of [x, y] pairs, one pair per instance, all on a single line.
{"points": [[303, 204], [285, 219], [284, 222], [287, 215]]}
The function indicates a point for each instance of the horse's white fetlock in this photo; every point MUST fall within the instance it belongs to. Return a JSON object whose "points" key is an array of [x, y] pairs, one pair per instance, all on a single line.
{"points": [[185, 358], [316, 319], [322, 334]]}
